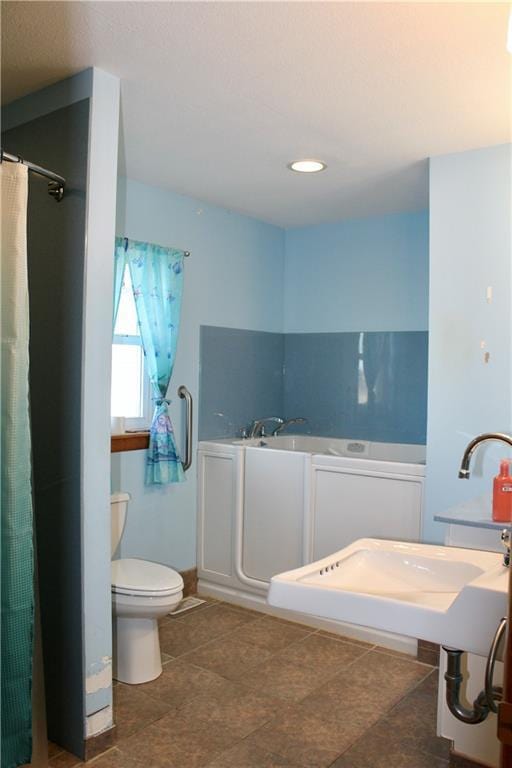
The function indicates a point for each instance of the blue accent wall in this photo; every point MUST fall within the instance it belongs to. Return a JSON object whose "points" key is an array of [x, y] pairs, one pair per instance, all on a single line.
{"points": [[241, 378], [366, 386], [56, 258]]}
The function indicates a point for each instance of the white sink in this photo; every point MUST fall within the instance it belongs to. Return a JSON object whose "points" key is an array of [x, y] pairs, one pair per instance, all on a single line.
{"points": [[446, 595]]}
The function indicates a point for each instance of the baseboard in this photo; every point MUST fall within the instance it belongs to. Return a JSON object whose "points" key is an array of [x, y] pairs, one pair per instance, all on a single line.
{"points": [[461, 761], [429, 653], [99, 743], [189, 581]]}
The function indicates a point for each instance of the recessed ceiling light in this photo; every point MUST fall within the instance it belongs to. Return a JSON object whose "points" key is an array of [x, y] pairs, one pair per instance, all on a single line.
{"points": [[307, 166]]}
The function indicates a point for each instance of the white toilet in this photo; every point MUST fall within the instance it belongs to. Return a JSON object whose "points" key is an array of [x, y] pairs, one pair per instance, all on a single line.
{"points": [[142, 592]]}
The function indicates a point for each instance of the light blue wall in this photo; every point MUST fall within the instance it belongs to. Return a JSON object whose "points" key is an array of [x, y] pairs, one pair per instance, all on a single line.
{"points": [[470, 213], [358, 275], [351, 276], [234, 278]]}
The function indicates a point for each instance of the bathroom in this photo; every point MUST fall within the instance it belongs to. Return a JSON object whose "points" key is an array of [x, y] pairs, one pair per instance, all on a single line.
{"points": [[370, 299]]}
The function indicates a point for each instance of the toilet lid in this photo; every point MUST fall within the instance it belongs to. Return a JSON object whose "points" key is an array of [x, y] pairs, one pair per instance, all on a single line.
{"points": [[141, 577]]}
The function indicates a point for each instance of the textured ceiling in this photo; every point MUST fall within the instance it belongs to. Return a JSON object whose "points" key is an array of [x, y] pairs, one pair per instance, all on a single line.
{"points": [[218, 97]]}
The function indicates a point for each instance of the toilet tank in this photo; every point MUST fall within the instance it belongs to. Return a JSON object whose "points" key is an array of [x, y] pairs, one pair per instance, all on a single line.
{"points": [[118, 509]]}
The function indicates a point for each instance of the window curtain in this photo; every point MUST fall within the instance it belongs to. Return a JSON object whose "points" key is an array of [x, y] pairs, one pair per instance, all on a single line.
{"points": [[17, 564], [119, 266], [157, 280]]}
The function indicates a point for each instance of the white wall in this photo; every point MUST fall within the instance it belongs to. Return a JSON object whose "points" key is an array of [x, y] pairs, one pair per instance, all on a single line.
{"points": [[470, 249], [233, 278]]}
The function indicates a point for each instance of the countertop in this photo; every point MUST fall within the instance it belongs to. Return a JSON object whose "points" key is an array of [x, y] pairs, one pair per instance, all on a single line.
{"points": [[476, 513]]}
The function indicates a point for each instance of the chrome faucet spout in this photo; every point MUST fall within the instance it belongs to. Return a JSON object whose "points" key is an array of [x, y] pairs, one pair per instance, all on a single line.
{"points": [[500, 437], [257, 427], [284, 424]]}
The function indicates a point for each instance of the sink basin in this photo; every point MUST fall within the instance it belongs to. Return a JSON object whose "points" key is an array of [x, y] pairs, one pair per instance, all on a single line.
{"points": [[446, 595]]}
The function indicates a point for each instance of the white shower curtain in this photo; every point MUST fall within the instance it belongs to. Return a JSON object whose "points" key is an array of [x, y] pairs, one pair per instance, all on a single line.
{"points": [[23, 714]]}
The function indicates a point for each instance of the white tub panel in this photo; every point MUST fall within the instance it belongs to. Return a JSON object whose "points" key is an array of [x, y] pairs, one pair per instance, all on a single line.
{"points": [[216, 510], [349, 505], [273, 516]]}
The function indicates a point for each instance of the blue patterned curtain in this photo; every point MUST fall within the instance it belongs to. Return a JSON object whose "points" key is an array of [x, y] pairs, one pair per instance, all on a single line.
{"points": [[119, 265], [157, 280]]}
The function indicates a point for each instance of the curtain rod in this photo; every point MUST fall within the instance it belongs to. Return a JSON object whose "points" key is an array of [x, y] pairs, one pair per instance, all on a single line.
{"points": [[56, 183], [127, 240]]}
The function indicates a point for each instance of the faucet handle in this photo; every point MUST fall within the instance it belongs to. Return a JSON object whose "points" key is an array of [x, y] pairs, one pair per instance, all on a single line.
{"points": [[506, 538]]}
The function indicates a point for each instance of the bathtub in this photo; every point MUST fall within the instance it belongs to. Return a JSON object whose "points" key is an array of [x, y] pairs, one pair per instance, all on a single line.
{"points": [[268, 505], [327, 446]]}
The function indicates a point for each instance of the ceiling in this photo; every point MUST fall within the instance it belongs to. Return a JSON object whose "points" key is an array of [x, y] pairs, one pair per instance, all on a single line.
{"points": [[218, 97]]}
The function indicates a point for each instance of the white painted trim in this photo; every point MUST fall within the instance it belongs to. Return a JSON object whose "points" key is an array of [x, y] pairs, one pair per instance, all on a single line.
{"points": [[239, 525]]}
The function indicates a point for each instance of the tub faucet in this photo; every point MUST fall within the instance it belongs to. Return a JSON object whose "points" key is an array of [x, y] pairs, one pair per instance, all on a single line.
{"points": [[257, 428], [471, 447], [284, 424]]}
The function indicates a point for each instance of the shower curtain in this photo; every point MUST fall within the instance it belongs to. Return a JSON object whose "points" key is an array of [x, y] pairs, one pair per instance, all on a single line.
{"points": [[17, 571]]}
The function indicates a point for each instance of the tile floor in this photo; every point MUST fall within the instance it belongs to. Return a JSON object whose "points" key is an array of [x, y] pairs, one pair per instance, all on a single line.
{"points": [[244, 690]]}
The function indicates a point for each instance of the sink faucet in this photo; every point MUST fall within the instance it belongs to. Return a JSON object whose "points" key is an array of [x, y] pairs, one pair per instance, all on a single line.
{"points": [[284, 424], [464, 474], [257, 428], [471, 447]]}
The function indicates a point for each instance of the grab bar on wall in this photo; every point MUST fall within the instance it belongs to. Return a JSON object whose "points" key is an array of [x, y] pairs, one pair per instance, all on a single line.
{"points": [[185, 395]]}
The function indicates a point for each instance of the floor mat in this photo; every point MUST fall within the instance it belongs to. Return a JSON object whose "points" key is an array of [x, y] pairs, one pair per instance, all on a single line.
{"points": [[186, 604]]}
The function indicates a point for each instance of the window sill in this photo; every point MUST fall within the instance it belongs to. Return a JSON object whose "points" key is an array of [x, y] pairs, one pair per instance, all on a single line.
{"points": [[129, 441]]}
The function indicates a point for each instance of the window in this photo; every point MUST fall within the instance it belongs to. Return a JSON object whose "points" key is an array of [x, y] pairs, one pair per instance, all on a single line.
{"points": [[130, 396]]}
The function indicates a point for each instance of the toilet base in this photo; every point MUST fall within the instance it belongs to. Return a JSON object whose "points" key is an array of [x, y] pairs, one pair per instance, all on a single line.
{"points": [[136, 650]]}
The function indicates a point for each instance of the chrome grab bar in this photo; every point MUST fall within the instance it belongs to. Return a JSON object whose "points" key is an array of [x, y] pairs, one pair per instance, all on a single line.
{"points": [[185, 395]]}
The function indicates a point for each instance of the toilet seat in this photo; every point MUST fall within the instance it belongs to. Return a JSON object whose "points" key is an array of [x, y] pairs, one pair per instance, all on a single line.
{"points": [[143, 578]]}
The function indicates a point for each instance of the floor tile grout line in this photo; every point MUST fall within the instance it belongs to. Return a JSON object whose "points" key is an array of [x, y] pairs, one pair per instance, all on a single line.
{"points": [[207, 642], [248, 642], [365, 652], [333, 677], [102, 754], [282, 703], [385, 715], [249, 689], [263, 615], [272, 655], [382, 717]]}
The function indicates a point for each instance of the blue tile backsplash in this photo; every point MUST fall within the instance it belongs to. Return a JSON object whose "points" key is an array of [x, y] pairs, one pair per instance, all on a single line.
{"points": [[366, 386], [241, 379]]}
